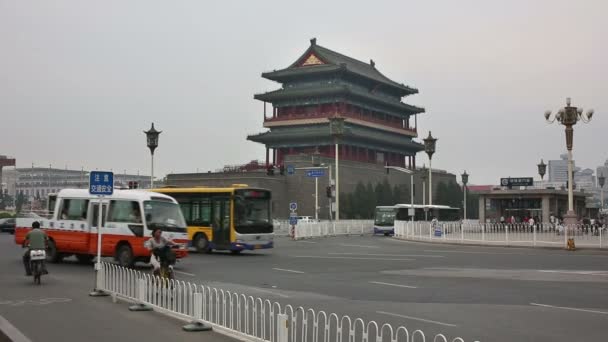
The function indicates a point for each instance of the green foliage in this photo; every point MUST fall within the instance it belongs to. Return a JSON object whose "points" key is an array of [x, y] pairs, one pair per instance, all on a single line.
{"points": [[5, 214], [361, 203]]}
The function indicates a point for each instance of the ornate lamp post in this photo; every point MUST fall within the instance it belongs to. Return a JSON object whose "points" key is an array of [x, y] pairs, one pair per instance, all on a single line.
{"points": [[569, 116], [152, 139], [601, 179], [337, 131], [542, 169], [429, 148], [424, 176], [465, 180]]}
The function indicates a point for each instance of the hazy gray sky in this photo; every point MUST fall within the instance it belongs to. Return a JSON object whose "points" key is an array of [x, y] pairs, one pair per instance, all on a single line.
{"points": [[81, 80]]}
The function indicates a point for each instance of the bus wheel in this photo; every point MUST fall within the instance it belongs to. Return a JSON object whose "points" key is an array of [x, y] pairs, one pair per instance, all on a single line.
{"points": [[124, 255], [201, 243], [52, 255], [84, 258]]}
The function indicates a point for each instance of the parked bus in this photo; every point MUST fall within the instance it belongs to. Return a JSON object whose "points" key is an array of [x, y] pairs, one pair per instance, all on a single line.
{"points": [[385, 216], [233, 218], [128, 218]]}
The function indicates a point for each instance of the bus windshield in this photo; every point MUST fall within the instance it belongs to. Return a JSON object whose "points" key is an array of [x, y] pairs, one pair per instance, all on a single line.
{"points": [[164, 215], [252, 212], [384, 217]]}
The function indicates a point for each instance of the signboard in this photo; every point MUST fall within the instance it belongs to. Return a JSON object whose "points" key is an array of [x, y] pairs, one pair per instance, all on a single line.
{"points": [[437, 231], [293, 206], [291, 170], [521, 181], [101, 183], [411, 212], [293, 220], [315, 173]]}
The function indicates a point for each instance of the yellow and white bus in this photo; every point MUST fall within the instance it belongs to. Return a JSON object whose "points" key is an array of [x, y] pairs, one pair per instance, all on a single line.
{"points": [[232, 218]]}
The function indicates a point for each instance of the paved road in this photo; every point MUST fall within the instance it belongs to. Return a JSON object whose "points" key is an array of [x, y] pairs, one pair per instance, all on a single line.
{"points": [[490, 294], [478, 293], [61, 310]]}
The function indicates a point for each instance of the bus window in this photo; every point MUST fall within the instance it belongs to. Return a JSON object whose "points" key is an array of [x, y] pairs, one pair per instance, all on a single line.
{"points": [[74, 209], [124, 211]]}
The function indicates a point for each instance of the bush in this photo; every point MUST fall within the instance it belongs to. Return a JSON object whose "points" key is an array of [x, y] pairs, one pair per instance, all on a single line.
{"points": [[5, 214]]}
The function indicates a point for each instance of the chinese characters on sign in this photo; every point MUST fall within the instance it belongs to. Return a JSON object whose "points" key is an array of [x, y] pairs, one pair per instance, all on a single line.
{"points": [[101, 183]]}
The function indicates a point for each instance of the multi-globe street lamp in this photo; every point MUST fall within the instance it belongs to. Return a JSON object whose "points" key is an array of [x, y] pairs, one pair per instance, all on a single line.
{"points": [[569, 116]]}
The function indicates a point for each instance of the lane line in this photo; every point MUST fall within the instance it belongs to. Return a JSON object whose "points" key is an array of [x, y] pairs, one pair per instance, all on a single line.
{"points": [[286, 270], [11, 332], [394, 255], [593, 273], [567, 308], [396, 285], [416, 318], [185, 273], [362, 246], [271, 292], [469, 252], [349, 258], [305, 241]]}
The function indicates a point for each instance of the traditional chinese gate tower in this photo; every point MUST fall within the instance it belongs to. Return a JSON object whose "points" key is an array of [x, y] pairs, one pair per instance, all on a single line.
{"points": [[323, 85]]}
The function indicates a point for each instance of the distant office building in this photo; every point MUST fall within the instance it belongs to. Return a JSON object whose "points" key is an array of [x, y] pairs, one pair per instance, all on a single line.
{"points": [[558, 169], [38, 182]]}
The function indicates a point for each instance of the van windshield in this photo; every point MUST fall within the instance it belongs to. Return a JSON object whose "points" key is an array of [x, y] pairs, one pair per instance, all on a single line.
{"points": [[165, 215]]}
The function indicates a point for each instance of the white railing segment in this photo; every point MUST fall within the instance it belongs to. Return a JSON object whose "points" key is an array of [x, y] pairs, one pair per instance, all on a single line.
{"points": [[247, 317], [537, 235]]}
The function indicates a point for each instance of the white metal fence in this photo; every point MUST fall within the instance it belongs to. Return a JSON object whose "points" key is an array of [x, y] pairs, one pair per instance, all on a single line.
{"points": [[502, 234], [305, 230], [254, 319]]}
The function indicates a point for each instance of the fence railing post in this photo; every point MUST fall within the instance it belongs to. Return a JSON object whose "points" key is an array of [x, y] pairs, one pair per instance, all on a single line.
{"points": [[462, 233], [600, 230], [282, 328], [141, 297], [483, 232], [197, 324], [507, 235], [534, 227]]}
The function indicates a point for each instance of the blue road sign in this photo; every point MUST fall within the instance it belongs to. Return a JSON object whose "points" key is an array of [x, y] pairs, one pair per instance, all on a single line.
{"points": [[293, 206], [101, 183], [315, 173], [293, 220], [291, 170]]}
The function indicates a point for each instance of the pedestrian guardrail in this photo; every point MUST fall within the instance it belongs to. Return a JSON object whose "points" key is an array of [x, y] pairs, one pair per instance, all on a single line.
{"points": [[535, 235], [244, 316], [306, 230]]}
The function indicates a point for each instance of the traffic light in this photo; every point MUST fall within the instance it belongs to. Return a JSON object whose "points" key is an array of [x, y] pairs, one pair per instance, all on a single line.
{"points": [[282, 170], [270, 170], [328, 191], [133, 185]]}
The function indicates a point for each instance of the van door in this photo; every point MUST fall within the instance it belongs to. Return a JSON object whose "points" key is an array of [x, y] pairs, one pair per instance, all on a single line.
{"points": [[93, 220], [220, 222]]}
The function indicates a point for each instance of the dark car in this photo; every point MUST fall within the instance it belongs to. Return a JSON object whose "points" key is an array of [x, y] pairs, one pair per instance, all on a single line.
{"points": [[8, 225]]}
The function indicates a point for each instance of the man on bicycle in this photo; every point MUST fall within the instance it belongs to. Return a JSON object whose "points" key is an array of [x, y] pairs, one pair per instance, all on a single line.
{"points": [[157, 243]]}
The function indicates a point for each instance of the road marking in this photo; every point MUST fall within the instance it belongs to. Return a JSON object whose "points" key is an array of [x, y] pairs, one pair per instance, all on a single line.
{"points": [[271, 292], [573, 309], [11, 332], [394, 255], [362, 246], [185, 273], [416, 318], [468, 252], [389, 284], [305, 241], [350, 258], [42, 301], [286, 270], [594, 273]]}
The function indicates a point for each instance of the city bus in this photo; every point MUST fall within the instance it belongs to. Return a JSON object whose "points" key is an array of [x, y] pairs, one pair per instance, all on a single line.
{"points": [[128, 218], [385, 216], [234, 218]]}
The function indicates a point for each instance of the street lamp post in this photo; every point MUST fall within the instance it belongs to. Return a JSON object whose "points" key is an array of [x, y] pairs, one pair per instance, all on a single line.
{"points": [[152, 139], [542, 170], [569, 116], [337, 130], [316, 162], [601, 179], [424, 176], [465, 180], [429, 148]]}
